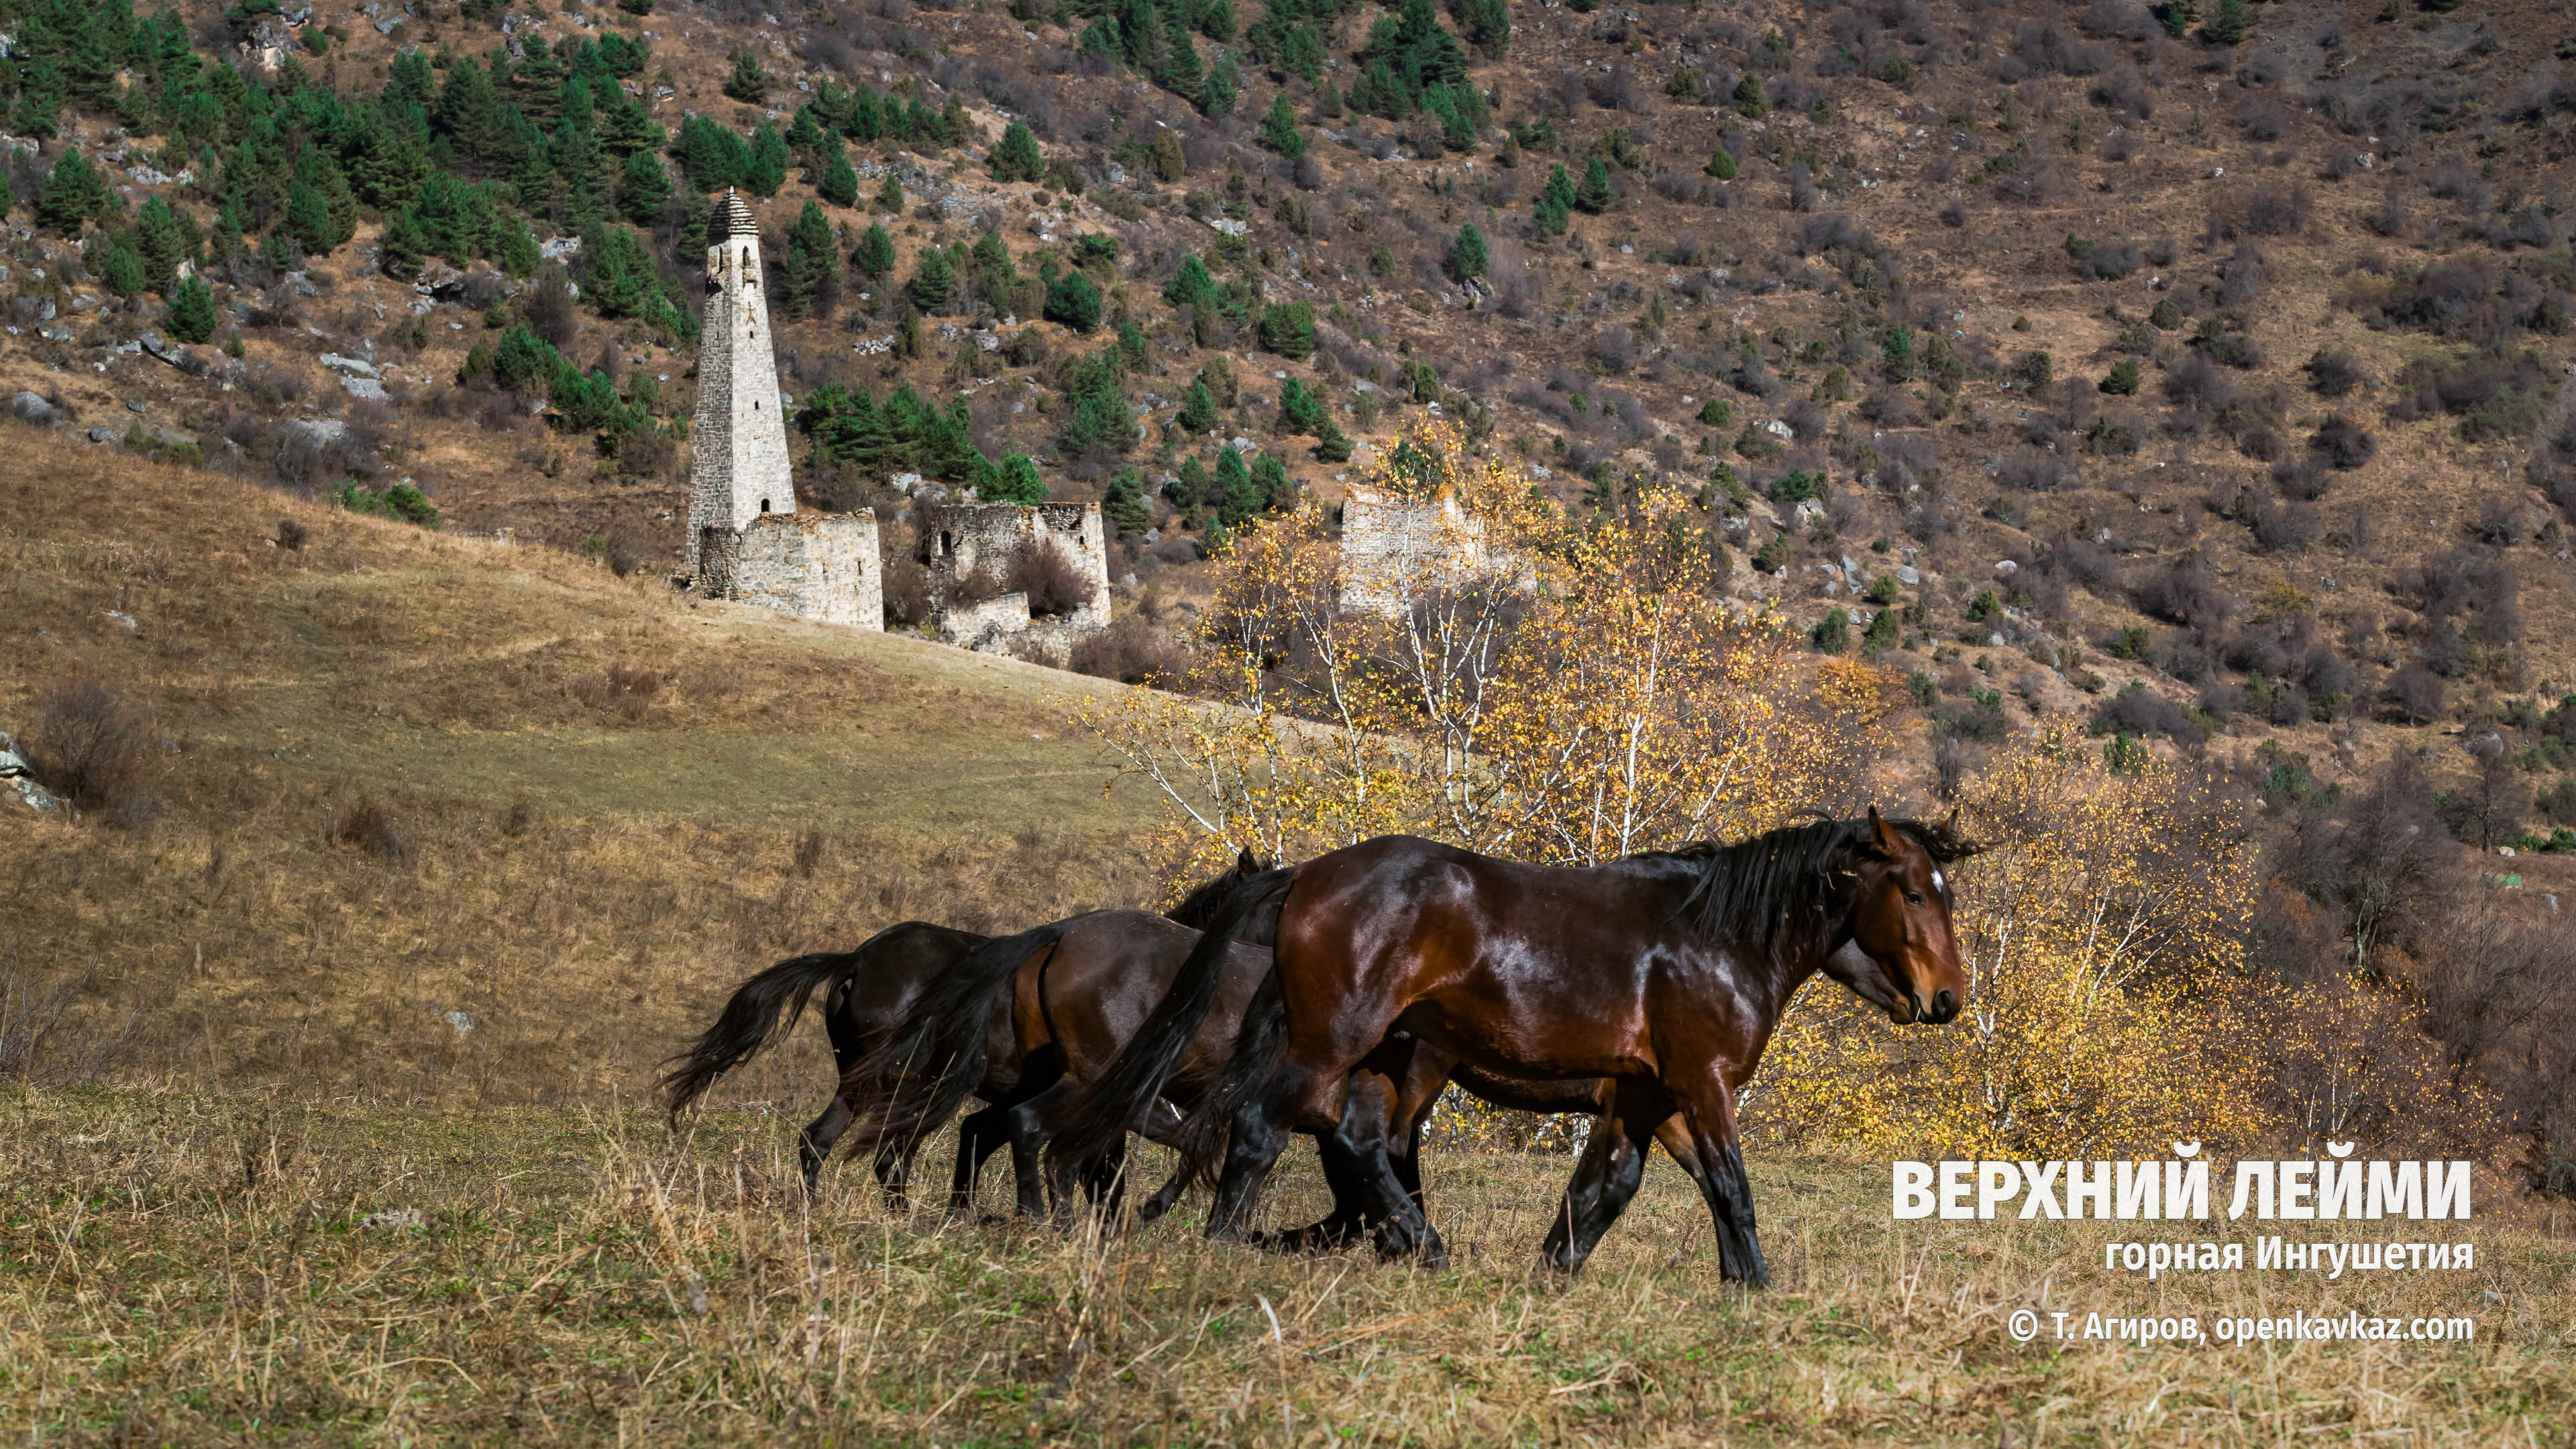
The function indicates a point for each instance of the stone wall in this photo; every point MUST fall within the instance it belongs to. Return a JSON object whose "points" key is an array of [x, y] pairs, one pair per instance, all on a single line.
{"points": [[819, 566], [1393, 547], [962, 540], [738, 467]]}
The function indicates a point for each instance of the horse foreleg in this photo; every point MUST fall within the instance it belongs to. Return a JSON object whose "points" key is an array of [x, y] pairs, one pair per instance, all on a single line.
{"points": [[814, 1144], [1606, 1176], [1708, 1108]]}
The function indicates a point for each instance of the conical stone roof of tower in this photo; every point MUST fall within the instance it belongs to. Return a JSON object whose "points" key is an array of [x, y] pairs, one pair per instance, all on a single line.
{"points": [[733, 218]]}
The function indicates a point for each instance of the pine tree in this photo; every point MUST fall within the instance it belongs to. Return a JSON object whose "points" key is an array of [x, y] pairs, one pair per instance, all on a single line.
{"points": [[747, 82], [1748, 98], [1721, 165], [934, 280], [1016, 481], [643, 189], [2233, 21], [1198, 409], [1467, 254], [1191, 284], [74, 192], [192, 311], [1073, 301], [1183, 74], [308, 220], [1234, 491], [1016, 157], [1278, 129], [619, 281], [840, 183], [874, 253], [1594, 194], [114, 261], [1224, 84], [890, 195], [813, 264], [768, 169], [1124, 503], [1555, 201], [470, 113]]}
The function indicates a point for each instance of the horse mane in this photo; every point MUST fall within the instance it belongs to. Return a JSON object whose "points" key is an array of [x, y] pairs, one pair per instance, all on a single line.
{"points": [[1752, 890]]}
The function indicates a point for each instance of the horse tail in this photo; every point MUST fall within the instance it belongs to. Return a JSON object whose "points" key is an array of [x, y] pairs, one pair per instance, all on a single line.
{"points": [[935, 1058], [1100, 1120], [762, 1010], [1201, 1142]]}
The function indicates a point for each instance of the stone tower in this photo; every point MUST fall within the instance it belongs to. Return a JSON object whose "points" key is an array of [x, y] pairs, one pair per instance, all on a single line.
{"points": [[738, 466]]}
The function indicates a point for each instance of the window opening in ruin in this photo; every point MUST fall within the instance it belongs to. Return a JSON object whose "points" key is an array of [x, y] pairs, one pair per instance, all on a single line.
{"points": [[764, 505]]}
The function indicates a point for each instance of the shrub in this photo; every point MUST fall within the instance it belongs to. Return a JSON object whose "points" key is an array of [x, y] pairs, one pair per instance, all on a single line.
{"points": [[94, 749], [1832, 635], [2123, 378], [907, 591], [370, 827], [2333, 372], [2417, 693], [2138, 710], [1130, 651], [2343, 443], [1041, 570]]}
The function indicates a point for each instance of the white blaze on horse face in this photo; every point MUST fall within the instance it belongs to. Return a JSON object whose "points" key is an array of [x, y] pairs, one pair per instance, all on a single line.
{"points": [[1936, 882]]}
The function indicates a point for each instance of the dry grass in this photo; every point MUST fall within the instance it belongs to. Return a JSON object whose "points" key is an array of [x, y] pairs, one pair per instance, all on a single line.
{"points": [[186, 1267], [396, 788]]}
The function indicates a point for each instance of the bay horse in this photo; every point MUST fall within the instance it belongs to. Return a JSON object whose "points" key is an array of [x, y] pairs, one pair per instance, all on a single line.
{"points": [[870, 993], [1665, 972], [1049, 1010]]}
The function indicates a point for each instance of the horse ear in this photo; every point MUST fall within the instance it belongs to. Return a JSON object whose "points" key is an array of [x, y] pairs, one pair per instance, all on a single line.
{"points": [[1250, 864], [1884, 841], [1953, 845]]}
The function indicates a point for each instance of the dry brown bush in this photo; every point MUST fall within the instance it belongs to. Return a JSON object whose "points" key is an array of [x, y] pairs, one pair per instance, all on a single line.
{"points": [[369, 827], [1041, 570], [94, 748]]}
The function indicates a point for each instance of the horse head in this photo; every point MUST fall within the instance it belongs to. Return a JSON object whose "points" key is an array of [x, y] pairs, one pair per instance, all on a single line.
{"points": [[1902, 957]]}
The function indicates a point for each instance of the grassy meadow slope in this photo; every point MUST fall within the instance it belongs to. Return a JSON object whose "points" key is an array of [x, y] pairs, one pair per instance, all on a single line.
{"points": [[398, 781], [189, 1268]]}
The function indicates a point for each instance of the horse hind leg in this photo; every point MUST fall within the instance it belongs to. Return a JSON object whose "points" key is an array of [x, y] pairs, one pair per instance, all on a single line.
{"points": [[979, 1136], [1606, 1176], [1402, 1228], [814, 1144]]}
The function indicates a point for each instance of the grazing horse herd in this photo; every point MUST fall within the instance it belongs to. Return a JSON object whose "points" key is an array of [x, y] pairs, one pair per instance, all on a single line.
{"points": [[1338, 997]]}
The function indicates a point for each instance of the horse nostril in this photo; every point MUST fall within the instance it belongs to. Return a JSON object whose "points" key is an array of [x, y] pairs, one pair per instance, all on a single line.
{"points": [[1944, 1005]]}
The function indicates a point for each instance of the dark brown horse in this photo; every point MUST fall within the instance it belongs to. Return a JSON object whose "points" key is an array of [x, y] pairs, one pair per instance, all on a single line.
{"points": [[870, 993], [1664, 972], [1033, 1022]]}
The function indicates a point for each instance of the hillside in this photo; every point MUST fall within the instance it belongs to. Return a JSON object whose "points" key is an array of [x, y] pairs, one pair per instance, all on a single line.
{"points": [[401, 775], [2189, 317]]}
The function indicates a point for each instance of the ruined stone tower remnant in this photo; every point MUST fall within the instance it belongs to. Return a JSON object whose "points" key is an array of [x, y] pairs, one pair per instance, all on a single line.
{"points": [[1395, 548], [747, 541], [975, 553], [738, 467]]}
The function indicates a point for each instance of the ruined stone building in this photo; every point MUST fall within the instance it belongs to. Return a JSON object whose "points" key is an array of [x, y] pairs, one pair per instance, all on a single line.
{"points": [[747, 540], [977, 556], [1395, 547]]}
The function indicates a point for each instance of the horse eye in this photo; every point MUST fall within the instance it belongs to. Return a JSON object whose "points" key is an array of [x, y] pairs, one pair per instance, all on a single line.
{"points": [[1913, 898]]}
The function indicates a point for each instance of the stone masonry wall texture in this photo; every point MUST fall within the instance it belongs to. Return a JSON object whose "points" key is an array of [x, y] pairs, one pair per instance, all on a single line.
{"points": [[738, 468], [1390, 543], [818, 566]]}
